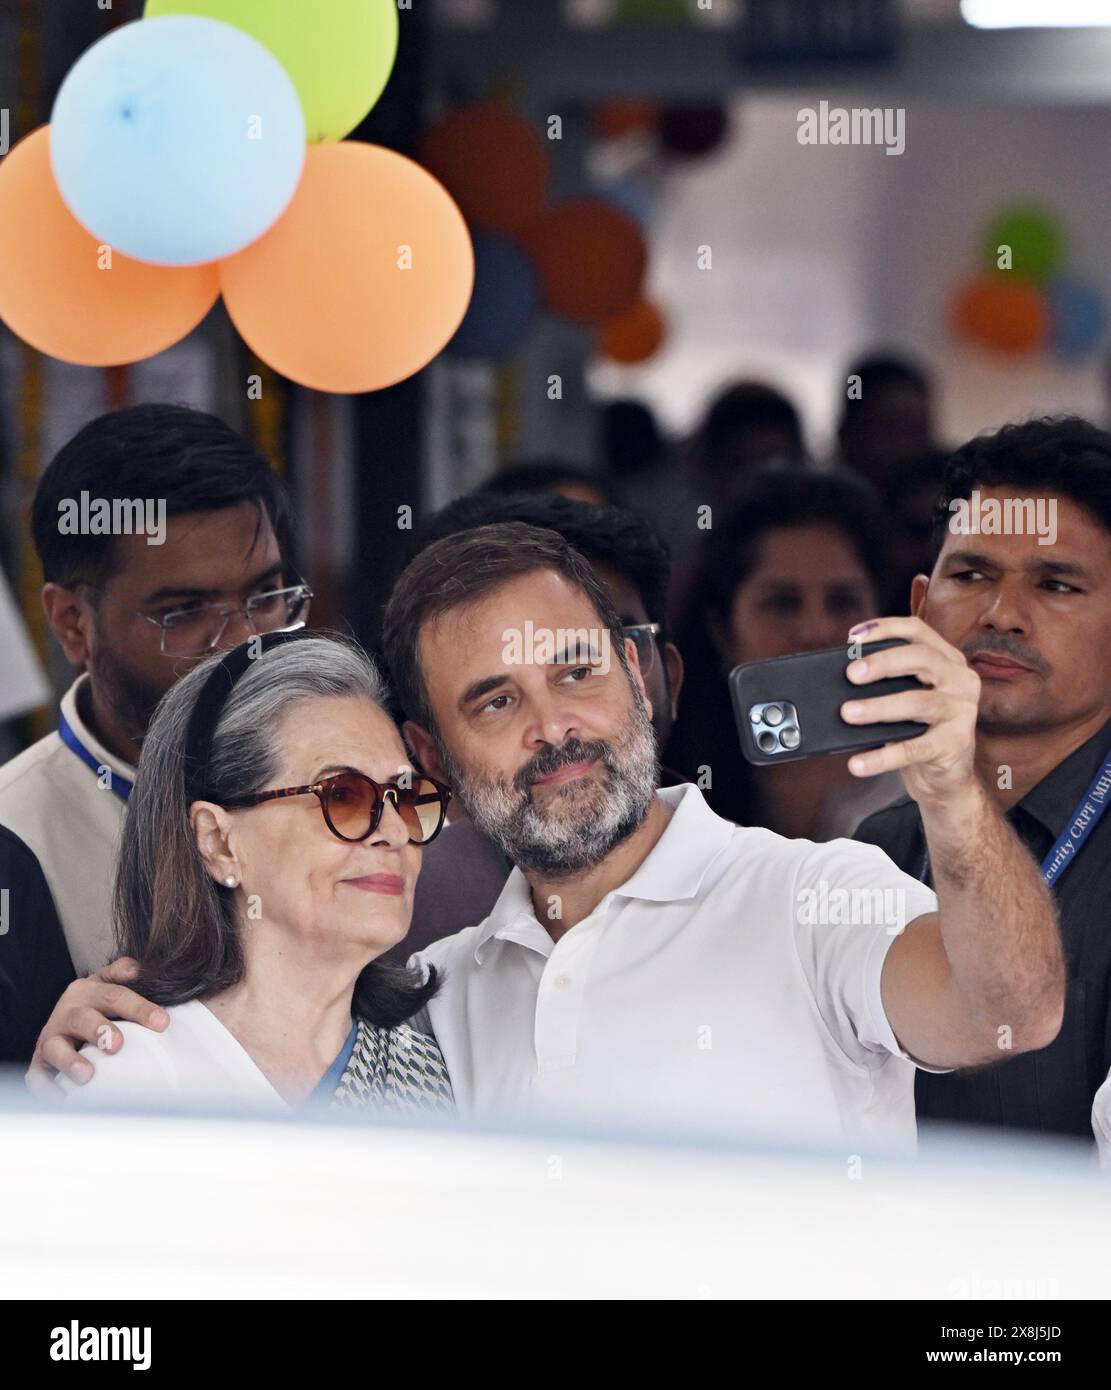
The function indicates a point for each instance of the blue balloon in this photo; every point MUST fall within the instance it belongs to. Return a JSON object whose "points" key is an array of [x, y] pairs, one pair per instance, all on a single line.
{"points": [[1077, 316], [178, 140], [506, 299]]}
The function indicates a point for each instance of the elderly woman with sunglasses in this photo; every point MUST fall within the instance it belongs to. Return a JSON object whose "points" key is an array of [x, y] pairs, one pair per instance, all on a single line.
{"points": [[269, 856]]}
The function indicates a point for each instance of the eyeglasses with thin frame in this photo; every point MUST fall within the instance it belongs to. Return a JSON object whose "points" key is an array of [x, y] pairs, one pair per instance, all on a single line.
{"points": [[198, 631], [645, 636], [352, 804]]}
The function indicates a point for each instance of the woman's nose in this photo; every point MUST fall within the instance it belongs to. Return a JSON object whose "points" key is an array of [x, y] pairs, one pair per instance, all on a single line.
{"points": [[391, 828]]}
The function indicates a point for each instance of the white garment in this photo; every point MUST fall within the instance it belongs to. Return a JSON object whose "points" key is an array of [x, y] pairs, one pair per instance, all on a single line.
{"points": [[195, 1061], [700, 992], [71, 822], [1101, 1123]]}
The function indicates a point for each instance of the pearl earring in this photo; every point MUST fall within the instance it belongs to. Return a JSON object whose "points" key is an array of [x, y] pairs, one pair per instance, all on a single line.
{"points": [[231, 881]]}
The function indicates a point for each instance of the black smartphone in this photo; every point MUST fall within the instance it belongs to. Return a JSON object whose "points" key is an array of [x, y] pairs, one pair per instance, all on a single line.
{"points": [[790, 707]]}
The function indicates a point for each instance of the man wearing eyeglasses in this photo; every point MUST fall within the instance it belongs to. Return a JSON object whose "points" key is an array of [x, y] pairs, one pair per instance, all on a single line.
{"points": [[132, 612]]}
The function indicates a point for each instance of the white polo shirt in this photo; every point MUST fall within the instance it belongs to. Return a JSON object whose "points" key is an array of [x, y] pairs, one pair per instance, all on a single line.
{"points": [[731, 984], [70, 819]]}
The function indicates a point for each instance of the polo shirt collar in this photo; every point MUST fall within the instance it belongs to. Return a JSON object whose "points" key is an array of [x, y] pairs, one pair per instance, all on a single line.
{"points": [[692, 840], [672, 872], [73, 700], [1054, 798], [511, 918]]}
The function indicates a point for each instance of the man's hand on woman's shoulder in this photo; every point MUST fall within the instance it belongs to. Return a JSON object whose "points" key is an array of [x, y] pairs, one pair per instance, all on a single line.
{"points": [[83, 1015]]}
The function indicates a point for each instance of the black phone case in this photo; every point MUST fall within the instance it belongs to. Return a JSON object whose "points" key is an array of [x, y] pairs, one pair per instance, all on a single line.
{"points": [[816, 684]]}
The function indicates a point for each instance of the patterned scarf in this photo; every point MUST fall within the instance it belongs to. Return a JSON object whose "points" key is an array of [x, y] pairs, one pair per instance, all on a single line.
{"points": [[395, 1069]]}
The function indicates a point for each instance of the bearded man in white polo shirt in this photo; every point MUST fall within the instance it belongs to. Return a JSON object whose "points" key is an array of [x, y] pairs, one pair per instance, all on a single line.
{"points": [[648, 961]]}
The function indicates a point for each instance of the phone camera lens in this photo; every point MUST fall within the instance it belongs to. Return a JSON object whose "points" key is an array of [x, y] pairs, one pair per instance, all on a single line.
{"points": [[773, 715], [789, 738], [767, 743]]}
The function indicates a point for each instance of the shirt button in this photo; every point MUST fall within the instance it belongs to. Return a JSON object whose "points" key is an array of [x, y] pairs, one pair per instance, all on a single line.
{"points": [[562, 981]]}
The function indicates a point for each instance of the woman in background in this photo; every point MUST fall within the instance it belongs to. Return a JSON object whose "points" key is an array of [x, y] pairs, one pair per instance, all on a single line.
{"points": [[798, 562]]}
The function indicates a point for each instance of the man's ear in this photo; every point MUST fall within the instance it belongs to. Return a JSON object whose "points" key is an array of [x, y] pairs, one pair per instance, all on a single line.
{"points": [[69, 617], [424, 749], [919, 592], [211, 827], [635, 672], [673, 665]]}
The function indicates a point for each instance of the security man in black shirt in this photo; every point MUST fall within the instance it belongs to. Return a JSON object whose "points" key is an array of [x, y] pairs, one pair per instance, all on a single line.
{"points": [[1022, 586]]}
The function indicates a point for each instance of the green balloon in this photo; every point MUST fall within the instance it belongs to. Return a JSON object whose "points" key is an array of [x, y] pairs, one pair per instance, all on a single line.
{"points": [[339, 53], [1035, 240]]}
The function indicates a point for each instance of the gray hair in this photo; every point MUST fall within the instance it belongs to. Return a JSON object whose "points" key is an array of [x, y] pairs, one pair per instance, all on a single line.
{"points": [[169, 911]]}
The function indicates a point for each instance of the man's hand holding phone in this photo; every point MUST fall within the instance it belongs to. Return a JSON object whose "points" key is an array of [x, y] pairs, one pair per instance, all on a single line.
{"points": [[991, 955], [939, 764]]}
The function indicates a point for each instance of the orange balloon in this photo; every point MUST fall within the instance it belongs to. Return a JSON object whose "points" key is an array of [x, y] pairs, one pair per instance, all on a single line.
{"points": [[591, 258], [54, 293], [1002, 312], [491, 162], [634, 335], [364, 278]]}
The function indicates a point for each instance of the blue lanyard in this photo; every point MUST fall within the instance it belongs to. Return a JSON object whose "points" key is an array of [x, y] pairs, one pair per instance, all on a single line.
{"points": [[120, 785], [1077, 829], [1088, 811]]}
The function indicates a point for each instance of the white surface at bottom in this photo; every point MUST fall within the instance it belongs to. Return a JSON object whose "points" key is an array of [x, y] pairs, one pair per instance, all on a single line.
{"points": [[110, 1207]]}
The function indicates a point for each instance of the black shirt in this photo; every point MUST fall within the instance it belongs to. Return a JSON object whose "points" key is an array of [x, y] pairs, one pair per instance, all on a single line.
{"points": [[35, 965], [1051, 1090]]}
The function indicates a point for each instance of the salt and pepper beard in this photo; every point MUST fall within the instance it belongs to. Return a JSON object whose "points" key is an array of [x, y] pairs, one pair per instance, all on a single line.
{"points": [[581, 821]]}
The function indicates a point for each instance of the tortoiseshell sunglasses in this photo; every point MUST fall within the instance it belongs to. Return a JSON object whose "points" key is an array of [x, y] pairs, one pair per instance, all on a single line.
{"points": [[352, 804]]}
